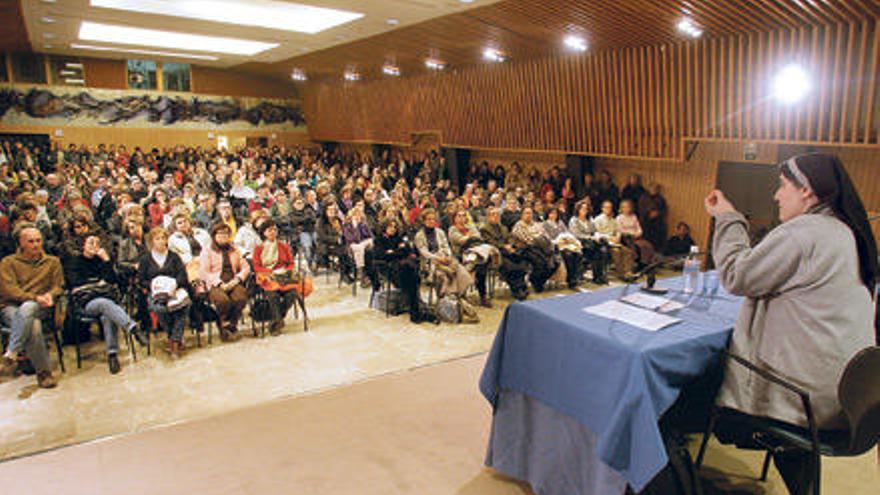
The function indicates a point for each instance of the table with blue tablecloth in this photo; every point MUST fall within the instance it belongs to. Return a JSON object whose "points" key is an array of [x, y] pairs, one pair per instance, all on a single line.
{"points": [[577, 397]]}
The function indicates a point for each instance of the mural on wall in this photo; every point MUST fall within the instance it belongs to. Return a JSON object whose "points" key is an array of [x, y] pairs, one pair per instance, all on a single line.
{"points": [[57, 105]]}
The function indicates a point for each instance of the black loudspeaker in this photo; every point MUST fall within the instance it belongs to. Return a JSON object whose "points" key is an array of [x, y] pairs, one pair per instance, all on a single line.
{"points": [[457, 161], [575, 167]]}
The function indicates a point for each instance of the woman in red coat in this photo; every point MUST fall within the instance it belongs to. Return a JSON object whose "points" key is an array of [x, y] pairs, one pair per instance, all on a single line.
{"points": [[158, 208], [277, 274]]}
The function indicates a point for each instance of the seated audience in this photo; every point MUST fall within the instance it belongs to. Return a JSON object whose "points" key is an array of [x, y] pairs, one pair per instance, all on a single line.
{"points": [[631, 233], [30, 283], [536, 247], [514, 266], [567, 245], [624, 258], [437, 259], [476, 254], [277, 273], [161, 274], [92, 282], [224, 271]]}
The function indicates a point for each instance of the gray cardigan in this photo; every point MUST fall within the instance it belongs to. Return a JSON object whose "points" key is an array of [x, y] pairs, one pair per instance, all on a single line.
{"points": [[805, 314]]}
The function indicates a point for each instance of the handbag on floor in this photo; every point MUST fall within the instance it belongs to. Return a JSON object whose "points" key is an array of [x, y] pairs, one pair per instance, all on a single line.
{"points": [[392, 299]]}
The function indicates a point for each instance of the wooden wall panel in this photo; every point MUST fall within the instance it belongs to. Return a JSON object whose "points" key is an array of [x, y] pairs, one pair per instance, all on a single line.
{"points": [[229, 82], [150, 138], [635, 102], [105, 73]]}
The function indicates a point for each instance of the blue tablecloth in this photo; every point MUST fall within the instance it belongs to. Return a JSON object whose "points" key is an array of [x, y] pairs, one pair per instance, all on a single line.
{"points": [[615, 379]]}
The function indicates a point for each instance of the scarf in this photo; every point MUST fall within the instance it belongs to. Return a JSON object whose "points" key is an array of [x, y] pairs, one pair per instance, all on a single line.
{"points": [[226, 271], [431, 237], [269, 256]]}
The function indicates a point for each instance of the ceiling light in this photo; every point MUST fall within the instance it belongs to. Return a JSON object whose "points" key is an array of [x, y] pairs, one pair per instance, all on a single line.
{"points": [[391, 70], [688, 27], [466, 1], [74, 65], [493, 55], [392, 22], [68, 73], [351, 76], [109, 33], [155, 53], [47, 46], [49, 36], [791, 84], [47, 20], [434, 64], [576, 43], [271, 14], [75, 81], [298, 75]]}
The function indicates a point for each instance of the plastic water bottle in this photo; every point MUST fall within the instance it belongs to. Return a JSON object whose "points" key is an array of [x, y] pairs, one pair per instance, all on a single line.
{"points": [[691, 270]]}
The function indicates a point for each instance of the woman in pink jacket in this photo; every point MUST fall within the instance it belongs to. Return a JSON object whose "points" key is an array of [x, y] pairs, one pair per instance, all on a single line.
{"points": [[224, 271]]}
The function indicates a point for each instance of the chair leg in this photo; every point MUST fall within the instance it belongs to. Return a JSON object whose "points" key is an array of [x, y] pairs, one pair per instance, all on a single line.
{"points": [[76, 341], [766, 467], [59, 350], [130, 340], [302, 302], [708, 433]]}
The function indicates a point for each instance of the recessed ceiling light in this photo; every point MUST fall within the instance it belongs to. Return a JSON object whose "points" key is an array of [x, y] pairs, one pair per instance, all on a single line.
{"points": [[73, 65], [78, 46], [688, 27], [435, 64], [68, 73], [493, 55], [466, 1], [49, 36], [298, 75], [75, 81], [270, 14], [575, 43], [391, 70], [351, 76], [47, 20], [393, 22], [109, 33], [47, 46]]}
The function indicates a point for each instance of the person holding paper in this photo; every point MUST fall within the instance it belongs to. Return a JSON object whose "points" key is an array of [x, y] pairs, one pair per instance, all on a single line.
{"points": [[808, 299]]}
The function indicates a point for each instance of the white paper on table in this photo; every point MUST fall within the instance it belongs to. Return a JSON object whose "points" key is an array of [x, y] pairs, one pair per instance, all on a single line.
{"points": [[670, 306], [631, 315], [646, 301]]}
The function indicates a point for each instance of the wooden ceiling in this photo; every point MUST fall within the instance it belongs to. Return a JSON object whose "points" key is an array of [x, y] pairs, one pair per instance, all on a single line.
{"points": [[13, 34], [529, 29]]}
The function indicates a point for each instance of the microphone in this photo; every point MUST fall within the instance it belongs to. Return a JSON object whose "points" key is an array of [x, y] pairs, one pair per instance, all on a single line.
{"points": [[651, 278]]}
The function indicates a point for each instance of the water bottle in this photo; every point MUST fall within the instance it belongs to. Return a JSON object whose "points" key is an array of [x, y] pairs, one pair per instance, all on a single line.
{"points": [[691, 270]]}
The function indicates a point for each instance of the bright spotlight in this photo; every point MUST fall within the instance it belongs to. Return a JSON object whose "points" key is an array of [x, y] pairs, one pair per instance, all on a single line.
{"points": [[576, 43], [791, 84]]}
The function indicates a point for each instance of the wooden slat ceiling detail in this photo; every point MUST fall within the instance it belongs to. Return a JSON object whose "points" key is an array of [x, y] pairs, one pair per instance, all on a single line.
{"points": [[13, 34], [634, 102], [529, 29]]}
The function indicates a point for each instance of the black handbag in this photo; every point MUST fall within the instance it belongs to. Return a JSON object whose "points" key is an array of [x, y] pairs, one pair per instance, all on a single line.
{"points": [[82, 294]]}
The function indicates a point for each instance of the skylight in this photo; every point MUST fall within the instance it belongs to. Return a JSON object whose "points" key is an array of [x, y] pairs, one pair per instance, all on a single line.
{"points": [[272, 14], [78, 46], [109, 33]]}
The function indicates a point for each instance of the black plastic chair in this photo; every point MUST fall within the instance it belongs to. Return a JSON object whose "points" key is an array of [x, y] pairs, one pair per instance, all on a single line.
{"points": [[859, 394], [78, 318], [50, 330]]}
